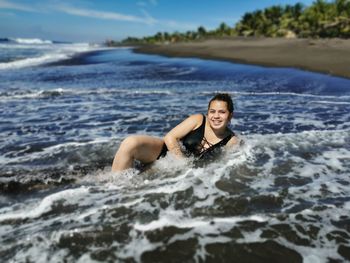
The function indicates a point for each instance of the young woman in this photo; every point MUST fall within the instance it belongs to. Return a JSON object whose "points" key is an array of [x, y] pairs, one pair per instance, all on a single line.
{"points": [[197, 135]]}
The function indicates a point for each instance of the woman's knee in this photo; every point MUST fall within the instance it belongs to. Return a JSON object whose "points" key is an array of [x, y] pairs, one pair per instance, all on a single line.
{"points": [[130, 144]]}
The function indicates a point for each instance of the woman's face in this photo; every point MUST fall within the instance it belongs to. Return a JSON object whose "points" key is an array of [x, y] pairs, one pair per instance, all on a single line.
{"points": [[218, 115]]}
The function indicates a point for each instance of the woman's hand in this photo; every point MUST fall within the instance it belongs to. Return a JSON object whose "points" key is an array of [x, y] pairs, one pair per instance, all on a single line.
{"points": [[172, 138]]}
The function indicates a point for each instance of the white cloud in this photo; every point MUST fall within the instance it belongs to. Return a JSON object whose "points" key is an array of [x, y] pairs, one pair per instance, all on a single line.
{"points": [[146, 18], [149, 17], [104, 15], [4, 4]]}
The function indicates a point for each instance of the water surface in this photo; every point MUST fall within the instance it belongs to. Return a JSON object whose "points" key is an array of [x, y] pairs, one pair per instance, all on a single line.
{"points": [[283, 196]]}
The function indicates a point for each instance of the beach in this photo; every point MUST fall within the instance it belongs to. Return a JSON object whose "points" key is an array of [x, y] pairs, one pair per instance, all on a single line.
{"points": [[329, 56], [282, 196]]}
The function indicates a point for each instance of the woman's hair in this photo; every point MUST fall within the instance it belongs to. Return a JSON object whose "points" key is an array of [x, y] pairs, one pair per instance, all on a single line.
{"points": [[223, 97]]}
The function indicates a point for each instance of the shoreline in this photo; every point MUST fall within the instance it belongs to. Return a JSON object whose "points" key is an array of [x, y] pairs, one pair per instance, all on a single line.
{"points": [[327, 56], [76, 59]]}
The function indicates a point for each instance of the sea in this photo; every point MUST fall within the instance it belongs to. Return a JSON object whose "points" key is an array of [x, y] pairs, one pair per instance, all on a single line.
{"points": [[281, 196]]}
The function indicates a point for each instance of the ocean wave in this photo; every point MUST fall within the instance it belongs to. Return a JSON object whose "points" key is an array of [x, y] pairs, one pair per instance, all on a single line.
{"points": [[29, 94], [96, 91], [43, 53], [68, 149], [238, 203], [33, 61], [320, 143], [46, 204], [273, 93], [283, 194], [30, 41], [5, 40]]}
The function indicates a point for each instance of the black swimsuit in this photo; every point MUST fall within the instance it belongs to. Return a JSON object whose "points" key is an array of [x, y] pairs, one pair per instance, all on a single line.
{"points": [[195, 142]]}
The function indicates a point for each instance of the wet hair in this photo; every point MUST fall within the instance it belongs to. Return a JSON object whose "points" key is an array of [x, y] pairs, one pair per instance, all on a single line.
{"points": [[223, 97]]}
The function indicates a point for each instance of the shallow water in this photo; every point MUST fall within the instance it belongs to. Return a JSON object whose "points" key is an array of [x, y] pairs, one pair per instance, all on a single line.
{"points": [[283, 196]]}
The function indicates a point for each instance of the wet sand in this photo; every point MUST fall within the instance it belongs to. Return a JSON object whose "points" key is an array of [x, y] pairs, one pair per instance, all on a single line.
{"points": [[330, 56]]}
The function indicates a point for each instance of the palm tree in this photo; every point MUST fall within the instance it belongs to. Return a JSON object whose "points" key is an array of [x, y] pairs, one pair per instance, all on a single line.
{"points": [[223, 29], [338, 20], [201, 31], [166, 36], [159, 37], [274, 13], [321, 19], [246, 26]]}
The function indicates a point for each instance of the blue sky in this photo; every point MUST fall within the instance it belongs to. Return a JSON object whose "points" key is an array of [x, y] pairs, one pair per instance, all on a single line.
{"points": [[96, 21]]}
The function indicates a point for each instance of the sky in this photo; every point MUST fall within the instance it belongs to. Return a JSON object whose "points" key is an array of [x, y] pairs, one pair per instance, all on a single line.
{"points": [[99, 20]]}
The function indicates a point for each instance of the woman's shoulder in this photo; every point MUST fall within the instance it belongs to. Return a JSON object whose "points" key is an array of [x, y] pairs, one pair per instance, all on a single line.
{"points": [[197, 119], [198, 116]]}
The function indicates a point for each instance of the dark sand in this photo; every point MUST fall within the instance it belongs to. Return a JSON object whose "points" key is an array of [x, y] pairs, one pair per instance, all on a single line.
{"points": [[330, 56]]}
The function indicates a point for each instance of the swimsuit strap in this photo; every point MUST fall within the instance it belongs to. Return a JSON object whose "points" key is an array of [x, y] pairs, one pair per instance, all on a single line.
{"points": [[201, 147], [227, 138], [207, 142], [195, 141], [212, 147], [202, 127]]}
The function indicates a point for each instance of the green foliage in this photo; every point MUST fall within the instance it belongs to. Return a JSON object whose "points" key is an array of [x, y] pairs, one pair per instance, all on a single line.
{"points": [[323, 19], [320, 20]]}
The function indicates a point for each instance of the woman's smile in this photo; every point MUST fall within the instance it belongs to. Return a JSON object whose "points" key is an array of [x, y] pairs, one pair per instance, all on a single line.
{"points": [[218, 114]]}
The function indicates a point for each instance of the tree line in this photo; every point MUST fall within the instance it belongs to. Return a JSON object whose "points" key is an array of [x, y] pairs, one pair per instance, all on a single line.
{"points": [[322, 19]]}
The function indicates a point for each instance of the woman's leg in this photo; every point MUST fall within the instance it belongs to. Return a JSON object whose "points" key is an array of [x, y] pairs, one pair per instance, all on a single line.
{"points": [[143, 148]]}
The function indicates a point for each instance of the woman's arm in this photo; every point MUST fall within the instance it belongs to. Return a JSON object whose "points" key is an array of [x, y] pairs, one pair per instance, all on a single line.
{"points": [[172, 138]]}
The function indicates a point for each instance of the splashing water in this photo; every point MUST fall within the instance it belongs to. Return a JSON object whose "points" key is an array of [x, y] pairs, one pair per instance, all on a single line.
{"points": [[282, 196]]}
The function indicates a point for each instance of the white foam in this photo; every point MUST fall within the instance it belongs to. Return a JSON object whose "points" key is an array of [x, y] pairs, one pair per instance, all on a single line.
{"points": [[50, 53], [332, 102], [38, 251], [51, 150], [172, 163], [33, 61], [186, 71], [35, 94], [251, 237], [31, 41], [137, 246], [176, 218], [282, 94], [335, 159], [31, 94], [179, 195], [171, 188], [36, 210]]}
